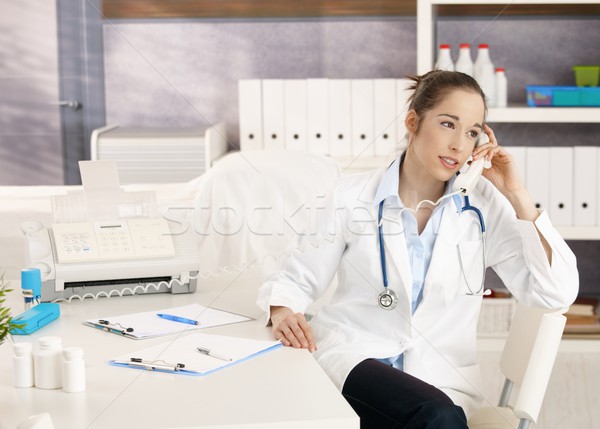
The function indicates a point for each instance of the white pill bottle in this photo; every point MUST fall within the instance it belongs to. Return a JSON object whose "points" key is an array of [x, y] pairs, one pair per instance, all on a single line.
{"points": [[73, 370], [47, 363]]}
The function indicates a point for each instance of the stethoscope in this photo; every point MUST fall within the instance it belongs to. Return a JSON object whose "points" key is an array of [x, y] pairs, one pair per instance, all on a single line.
{"points": [[388, 299]]}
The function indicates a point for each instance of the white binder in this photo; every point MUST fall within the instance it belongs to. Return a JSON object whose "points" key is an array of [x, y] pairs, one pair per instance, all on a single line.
{"points": [[519, 154], [402, 95], [295, 120], [250, 110], [317, 91], [537, 175], [340, 127], [585, 185], [361, 91], [561, 186], [384, 97], [273, 113]]}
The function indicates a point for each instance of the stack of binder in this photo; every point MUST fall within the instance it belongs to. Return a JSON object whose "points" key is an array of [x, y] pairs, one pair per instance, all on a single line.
{"points": [[342, 118], [563, 181]]}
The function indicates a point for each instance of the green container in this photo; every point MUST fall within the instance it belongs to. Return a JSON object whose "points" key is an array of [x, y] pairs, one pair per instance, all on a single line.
{"points": [[586, 75]]}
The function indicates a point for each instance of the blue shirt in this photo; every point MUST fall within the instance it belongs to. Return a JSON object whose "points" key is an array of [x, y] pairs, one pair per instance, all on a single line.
{"points": [[419, 247]]}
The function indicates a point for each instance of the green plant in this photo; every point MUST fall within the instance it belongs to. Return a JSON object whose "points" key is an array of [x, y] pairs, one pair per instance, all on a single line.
{"points": [[5, 318]]}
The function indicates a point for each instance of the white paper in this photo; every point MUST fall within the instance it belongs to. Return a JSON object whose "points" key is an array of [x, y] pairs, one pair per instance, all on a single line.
{"points": [[184, 350], [148, 324], [99, 175]]}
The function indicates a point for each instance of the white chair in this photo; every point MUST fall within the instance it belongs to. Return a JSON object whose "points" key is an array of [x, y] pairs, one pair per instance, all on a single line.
{"points": [[527, 361]]}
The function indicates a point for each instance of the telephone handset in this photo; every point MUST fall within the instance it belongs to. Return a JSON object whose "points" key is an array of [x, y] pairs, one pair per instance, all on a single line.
{"points": [[466, 181]]}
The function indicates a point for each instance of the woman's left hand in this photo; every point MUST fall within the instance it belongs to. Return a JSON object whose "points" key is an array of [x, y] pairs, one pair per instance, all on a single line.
{"points": [[504, 176], [503, 172]]}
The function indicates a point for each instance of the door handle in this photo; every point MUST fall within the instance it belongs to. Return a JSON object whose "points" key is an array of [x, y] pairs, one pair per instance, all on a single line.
{"points": [[73, 104]]}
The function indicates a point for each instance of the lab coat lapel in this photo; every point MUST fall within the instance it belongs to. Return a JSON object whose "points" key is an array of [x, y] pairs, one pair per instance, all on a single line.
{"points": [[440, 288], [397, 254]]}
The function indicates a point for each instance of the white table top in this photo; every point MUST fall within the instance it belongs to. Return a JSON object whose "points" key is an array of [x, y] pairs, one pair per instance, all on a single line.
{"points": [[282, 388]]}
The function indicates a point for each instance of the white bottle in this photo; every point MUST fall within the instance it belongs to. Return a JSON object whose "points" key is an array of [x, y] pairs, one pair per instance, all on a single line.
{"points": [[444, 59], [73, 370], [501, 88], [47, 363], [23, 365], [464, 63], [485, 74], [483, 58]]}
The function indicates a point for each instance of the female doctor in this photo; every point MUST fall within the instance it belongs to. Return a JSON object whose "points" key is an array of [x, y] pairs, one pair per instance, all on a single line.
{"points": [[398, 336]]}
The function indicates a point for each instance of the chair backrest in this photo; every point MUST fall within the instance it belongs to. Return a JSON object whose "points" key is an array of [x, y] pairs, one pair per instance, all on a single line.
{"points": [[529, 355]]}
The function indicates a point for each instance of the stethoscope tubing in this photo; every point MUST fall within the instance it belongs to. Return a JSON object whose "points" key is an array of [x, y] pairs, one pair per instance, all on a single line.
{"points": [[466, 207], [381, 248]]}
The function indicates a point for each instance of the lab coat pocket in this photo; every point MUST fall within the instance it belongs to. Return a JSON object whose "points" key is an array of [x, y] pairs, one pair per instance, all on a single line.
{"points": [[471, 267]]}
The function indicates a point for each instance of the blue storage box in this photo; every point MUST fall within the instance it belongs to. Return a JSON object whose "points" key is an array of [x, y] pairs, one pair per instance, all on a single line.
{"points": [[564, 96], [35, 318]]}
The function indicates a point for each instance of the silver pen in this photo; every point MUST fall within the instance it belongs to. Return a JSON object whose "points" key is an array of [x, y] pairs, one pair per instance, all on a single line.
{"points": [[209, 352]]}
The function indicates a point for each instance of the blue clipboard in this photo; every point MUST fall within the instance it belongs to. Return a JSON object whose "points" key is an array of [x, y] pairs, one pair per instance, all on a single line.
{"points": [[181, 356]]}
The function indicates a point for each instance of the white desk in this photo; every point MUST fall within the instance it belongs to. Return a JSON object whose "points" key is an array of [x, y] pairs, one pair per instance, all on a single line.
{"points": [[284, 388]]}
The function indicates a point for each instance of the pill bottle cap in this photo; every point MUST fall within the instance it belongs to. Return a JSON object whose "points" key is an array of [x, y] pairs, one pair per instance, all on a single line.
{"points": [[22, 349], [47, 342], [71, 353]]}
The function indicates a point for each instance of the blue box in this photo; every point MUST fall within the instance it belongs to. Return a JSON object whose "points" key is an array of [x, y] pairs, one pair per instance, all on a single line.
{"points": [[590, 96], [35, 318], [563, 96]]}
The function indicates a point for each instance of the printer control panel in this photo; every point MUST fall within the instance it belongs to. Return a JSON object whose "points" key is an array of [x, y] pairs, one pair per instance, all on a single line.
{"points": [[112, 240]]}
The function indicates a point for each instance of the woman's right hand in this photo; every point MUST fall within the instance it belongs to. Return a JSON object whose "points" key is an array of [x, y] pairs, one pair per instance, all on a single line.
{"points": [[292, 329]]}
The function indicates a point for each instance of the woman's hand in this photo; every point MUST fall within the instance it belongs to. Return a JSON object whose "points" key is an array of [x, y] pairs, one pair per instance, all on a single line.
{"points": [[292, 329], [504, 176], [503, 172]]}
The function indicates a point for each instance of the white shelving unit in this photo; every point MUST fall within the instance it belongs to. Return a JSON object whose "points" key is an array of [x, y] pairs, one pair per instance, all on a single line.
{"points": [[426, 48], [426, 23], [579, 232], [544, 114]]}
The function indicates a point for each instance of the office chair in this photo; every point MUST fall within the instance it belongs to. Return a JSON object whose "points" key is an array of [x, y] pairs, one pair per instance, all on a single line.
{"points": [[527, 361]]}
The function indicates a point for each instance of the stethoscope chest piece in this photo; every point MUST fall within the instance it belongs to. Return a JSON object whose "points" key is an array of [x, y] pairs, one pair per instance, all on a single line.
{"points": [[388, 300]]}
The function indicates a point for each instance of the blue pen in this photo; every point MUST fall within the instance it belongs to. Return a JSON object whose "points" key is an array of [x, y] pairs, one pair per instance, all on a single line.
{"points": [[178, 319]]}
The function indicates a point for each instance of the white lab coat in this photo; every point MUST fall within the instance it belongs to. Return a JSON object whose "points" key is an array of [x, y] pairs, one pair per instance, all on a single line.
{"points": [[438, 340]]}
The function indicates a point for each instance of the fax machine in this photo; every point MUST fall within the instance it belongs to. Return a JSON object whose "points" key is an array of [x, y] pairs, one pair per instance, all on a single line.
{"points": [[107, 258]]}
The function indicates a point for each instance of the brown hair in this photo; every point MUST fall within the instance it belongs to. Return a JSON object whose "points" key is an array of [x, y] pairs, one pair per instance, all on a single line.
{"points": [[431, 87]]}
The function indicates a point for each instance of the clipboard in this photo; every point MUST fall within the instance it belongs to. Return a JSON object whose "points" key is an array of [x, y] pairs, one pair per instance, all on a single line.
{"points": [[182, 356], [147, 324]]}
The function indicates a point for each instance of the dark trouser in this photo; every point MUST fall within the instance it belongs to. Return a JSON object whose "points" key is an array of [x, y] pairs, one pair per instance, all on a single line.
{"points": [[385, 397]]}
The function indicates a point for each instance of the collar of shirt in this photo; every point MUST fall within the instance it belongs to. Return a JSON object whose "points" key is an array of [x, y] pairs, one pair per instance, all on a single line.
{"points": [[388, 187]]}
